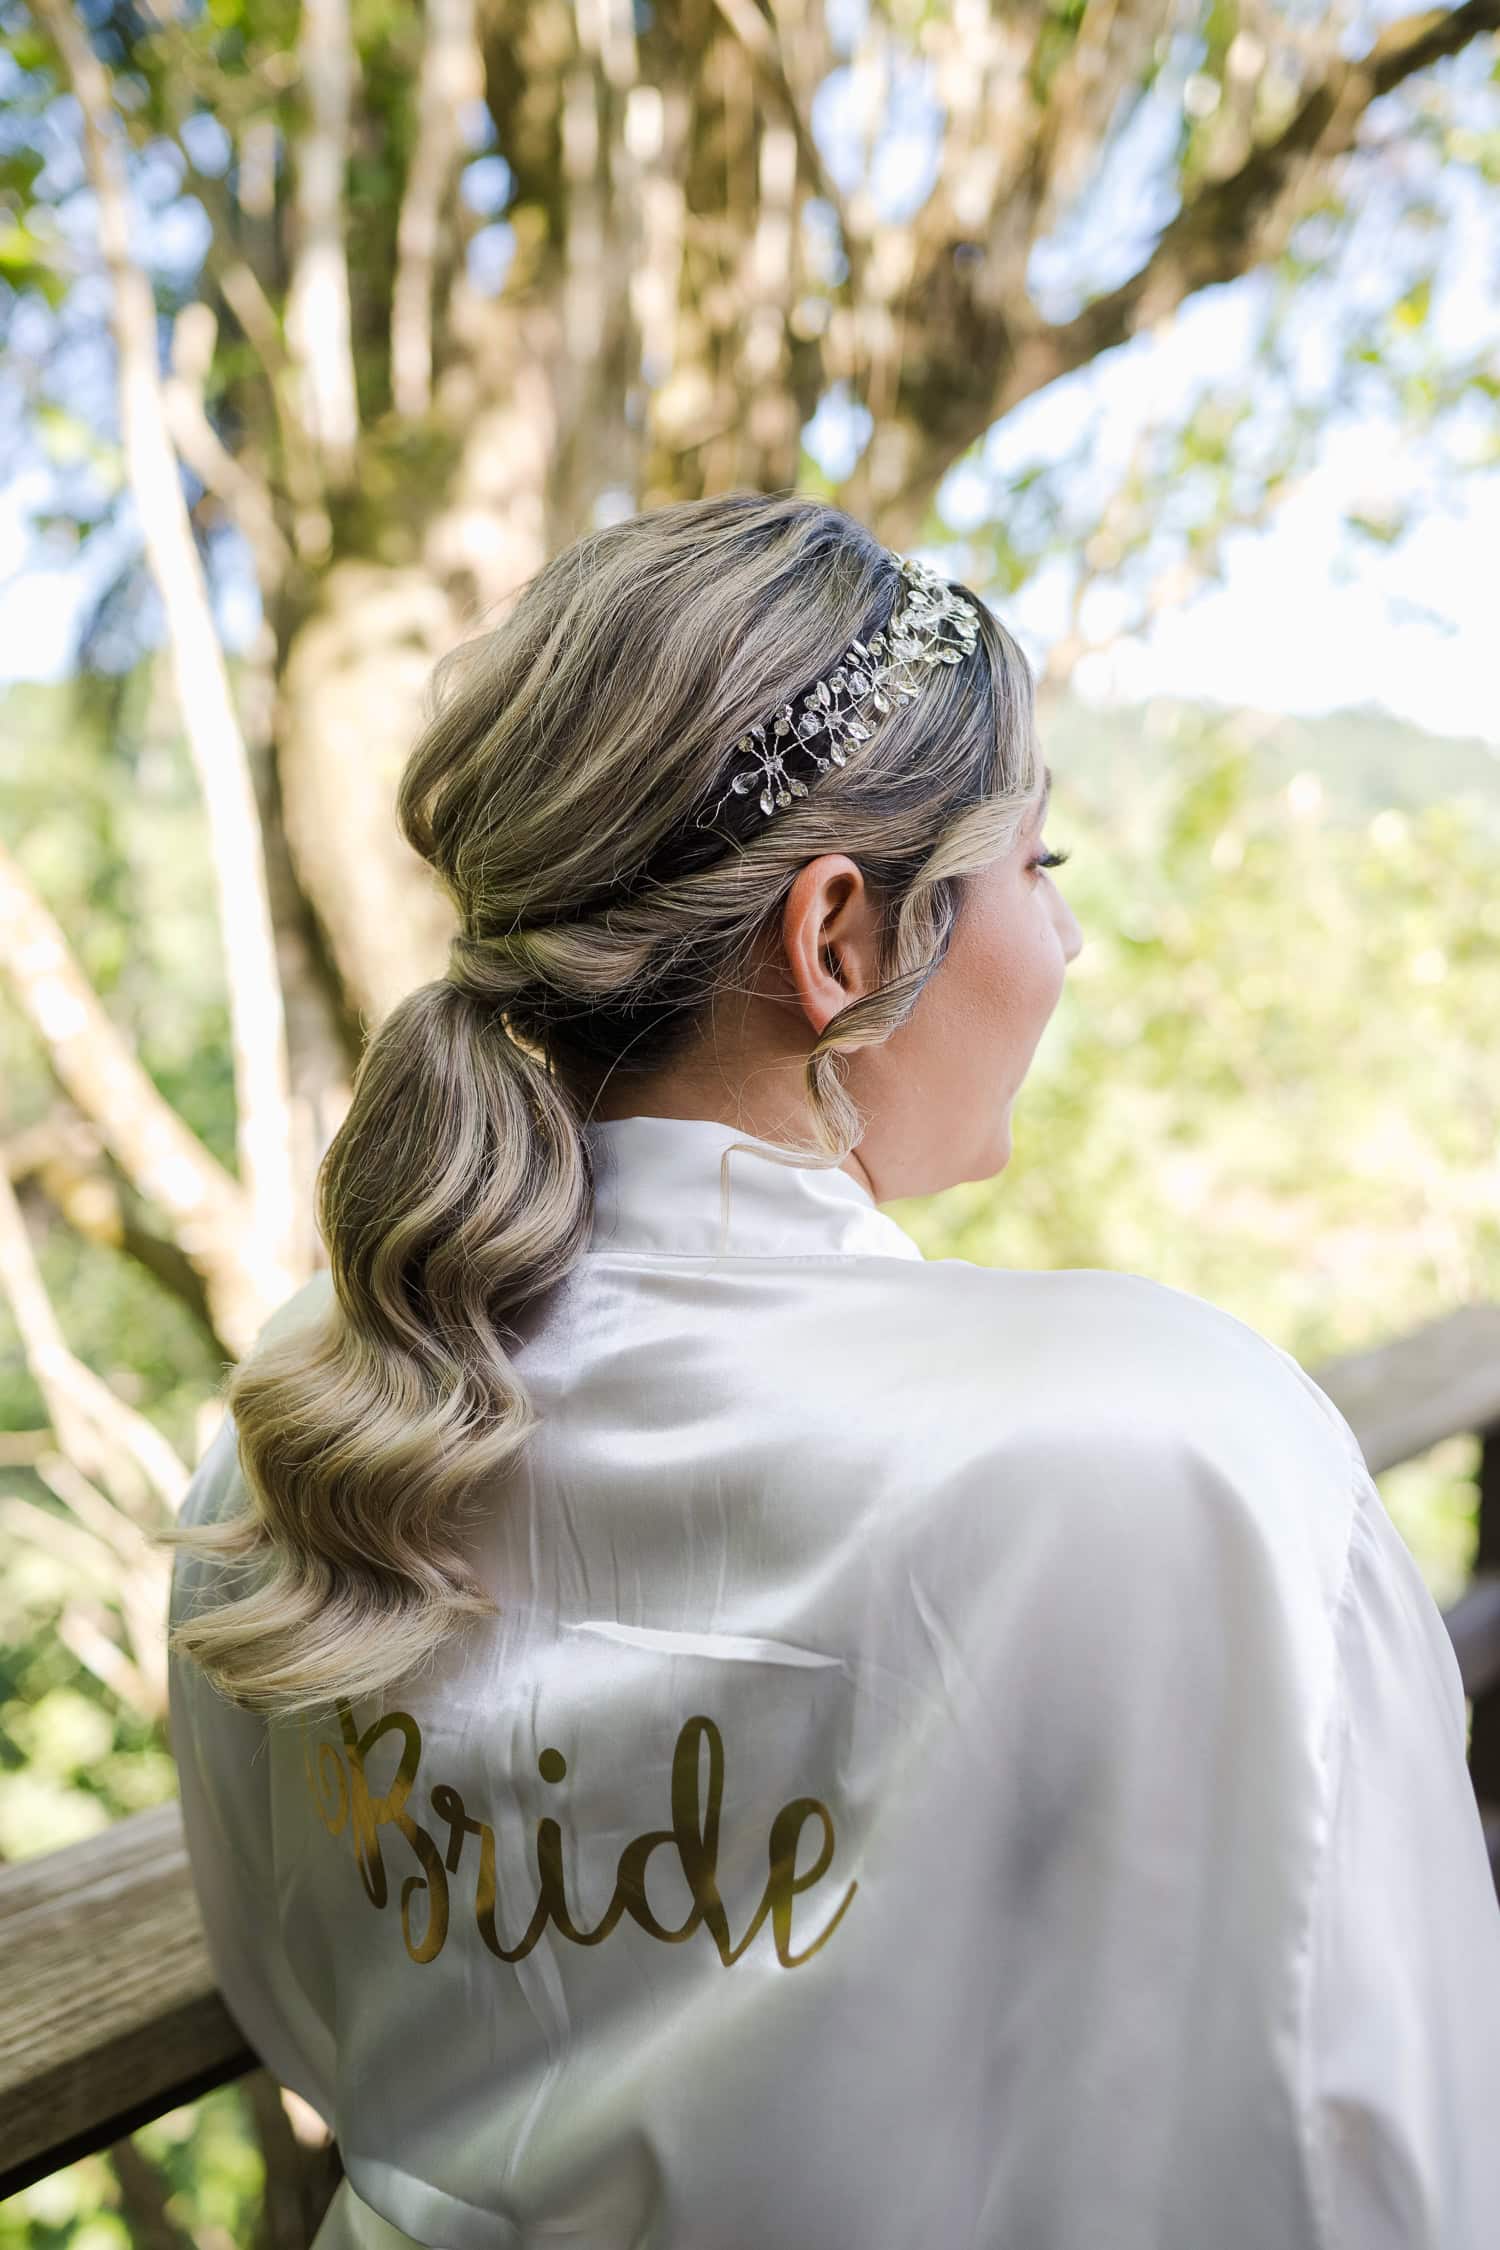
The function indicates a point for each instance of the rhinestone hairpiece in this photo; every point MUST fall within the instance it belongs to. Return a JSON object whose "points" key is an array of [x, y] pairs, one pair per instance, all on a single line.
{"points": [[843, 709]]}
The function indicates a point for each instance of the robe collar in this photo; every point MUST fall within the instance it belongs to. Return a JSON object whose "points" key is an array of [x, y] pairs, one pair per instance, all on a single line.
{"points": [[694, 1187]]}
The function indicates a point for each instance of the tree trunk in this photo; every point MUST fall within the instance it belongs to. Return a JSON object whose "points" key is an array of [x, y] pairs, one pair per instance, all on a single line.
{"points": [[356, 668]]}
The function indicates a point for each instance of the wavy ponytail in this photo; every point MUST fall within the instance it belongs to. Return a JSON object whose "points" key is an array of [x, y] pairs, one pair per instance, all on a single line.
{"points": [[556, 790], [457, 1187]]}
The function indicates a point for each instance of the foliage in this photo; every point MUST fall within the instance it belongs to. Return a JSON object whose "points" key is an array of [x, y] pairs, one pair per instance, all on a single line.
{"points": [[210, 2167]]}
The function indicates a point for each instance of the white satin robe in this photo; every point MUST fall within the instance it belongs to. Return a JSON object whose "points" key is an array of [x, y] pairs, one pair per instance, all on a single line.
{"points": [[1008, 1763]]}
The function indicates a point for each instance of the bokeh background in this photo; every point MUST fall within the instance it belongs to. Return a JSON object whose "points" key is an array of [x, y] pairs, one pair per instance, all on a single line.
{"points": [[1171, 329]]}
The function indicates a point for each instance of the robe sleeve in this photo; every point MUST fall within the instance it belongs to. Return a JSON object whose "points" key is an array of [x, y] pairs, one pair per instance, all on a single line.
{"points": [[222, 1753], [1402, 2055]]}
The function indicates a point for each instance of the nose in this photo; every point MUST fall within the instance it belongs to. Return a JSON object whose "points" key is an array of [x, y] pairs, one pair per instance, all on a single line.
{"points": [[1072, 934]]}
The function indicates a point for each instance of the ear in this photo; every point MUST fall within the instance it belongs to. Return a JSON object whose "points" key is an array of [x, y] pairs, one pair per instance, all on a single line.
{"points": [[828, 935]]}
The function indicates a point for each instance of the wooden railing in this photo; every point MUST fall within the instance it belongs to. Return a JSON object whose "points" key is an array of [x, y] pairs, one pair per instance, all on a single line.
{"points": [[1401, 1398], [110, 2015]]}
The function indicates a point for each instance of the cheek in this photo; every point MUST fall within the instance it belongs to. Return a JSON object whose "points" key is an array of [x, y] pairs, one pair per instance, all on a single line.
{"points": [[1007, 969], [1049, 961]]}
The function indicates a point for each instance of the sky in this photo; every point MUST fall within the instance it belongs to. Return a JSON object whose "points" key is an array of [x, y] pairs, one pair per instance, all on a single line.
{"points": [[1306, 620]]}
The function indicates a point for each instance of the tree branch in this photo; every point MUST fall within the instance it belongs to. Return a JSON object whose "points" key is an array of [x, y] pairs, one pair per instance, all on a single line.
{"points": [[1228, 227], [206, 703], [1234, 224], [318, 320], [452, 73], [144, 2193], [216, 468], [759, 41], [180, 79], [166, 1163], [138, 1582], [95, 1427], [63, 1157]]}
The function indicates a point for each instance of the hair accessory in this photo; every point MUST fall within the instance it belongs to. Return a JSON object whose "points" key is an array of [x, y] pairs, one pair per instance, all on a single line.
{"points": [[843, 709]]}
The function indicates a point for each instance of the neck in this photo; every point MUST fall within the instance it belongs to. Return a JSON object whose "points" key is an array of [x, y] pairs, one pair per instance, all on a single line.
{"points": [[772, 1116]]}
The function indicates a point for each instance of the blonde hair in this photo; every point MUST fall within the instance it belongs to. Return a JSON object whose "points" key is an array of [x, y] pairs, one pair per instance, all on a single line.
{"points": [[557, 788]]}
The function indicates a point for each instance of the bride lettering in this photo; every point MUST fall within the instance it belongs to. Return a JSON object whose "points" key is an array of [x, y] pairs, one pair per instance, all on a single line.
{"points": [[344, 1802]]}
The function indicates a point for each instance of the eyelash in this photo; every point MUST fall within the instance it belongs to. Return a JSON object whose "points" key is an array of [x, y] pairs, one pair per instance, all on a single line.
{"points": [[1053, 859]]}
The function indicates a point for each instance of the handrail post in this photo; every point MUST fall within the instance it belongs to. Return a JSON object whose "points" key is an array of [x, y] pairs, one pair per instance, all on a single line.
{"points": [[1484, 1737]]}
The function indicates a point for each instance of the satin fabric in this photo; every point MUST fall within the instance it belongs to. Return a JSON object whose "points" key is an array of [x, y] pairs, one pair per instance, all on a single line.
{"points": [[1013, 1760]]}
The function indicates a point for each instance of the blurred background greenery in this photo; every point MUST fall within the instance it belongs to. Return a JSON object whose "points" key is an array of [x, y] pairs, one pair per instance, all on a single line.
{"points": [[1272, 1078]]}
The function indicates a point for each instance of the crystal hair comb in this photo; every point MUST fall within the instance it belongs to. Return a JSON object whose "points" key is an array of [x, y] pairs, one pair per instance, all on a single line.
{"points": [[843, 709]]}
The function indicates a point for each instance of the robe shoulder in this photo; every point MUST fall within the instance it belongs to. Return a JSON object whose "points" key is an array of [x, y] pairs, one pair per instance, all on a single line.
{"points": [[1108, 1341], [1137, 1406]]}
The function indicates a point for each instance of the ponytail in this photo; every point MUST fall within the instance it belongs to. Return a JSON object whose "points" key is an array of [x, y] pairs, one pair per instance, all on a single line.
{"points": [[457, 1188]]}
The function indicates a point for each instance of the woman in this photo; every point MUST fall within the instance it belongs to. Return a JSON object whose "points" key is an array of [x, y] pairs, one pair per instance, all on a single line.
{"points": [[700, 1728]]}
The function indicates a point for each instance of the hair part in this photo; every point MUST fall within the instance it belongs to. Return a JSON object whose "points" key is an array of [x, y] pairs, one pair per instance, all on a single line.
{"points": [[558, 789]]}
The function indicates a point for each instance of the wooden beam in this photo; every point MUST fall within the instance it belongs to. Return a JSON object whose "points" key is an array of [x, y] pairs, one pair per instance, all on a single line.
{"points": [[111, 2016], [1403, 1397]]}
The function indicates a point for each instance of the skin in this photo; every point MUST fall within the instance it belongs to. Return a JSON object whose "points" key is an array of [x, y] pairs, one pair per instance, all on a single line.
{"points": [[938, 1093]]}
